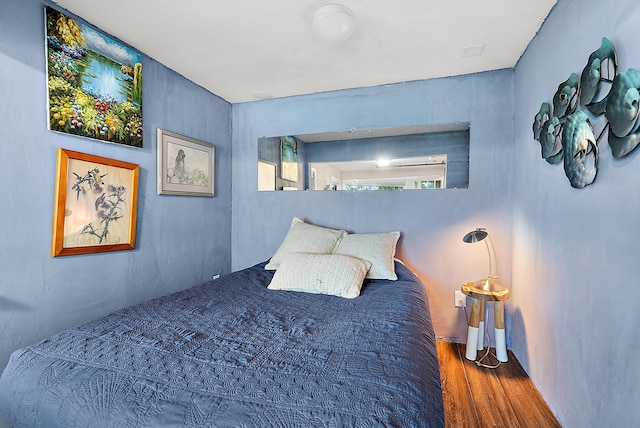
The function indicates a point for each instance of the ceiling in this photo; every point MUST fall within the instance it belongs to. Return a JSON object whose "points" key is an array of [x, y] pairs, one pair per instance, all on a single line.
{"points": [[356, 134], [245, 50]]}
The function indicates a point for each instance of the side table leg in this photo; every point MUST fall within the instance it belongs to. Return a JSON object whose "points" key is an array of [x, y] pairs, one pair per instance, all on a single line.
{"points": [[498, 319], [472, 334], [480, 346]]}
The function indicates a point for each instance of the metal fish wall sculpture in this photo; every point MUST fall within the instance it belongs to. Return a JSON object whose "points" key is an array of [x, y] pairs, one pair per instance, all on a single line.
{"points": [[564, 129]]}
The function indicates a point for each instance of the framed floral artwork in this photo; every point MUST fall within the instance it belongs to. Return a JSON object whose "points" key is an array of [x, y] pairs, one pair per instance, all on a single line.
{"points": [[95, 204], [94, 82], [186, 166]]}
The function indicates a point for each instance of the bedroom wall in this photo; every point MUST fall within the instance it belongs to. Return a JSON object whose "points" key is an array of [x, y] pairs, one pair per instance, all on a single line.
{"points": [[575, 262], [181, 241], [432, 222]]}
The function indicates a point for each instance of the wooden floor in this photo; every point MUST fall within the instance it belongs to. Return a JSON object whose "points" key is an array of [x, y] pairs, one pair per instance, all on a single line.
{"points": [[480, 397]]}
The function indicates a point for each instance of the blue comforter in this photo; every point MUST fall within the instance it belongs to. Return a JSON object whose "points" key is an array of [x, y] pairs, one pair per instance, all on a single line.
{"points": [[231, 353]]}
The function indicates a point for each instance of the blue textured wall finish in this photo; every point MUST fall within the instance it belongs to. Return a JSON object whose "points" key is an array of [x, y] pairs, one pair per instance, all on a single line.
{"points": [[575, 258], [181, 241]]}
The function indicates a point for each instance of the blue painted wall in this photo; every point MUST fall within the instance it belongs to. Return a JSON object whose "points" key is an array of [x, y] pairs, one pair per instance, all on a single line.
{"points": [[575, 262], [432, 222], [181, 241]]}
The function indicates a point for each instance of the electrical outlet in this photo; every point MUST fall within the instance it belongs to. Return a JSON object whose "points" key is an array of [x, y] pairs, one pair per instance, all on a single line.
{"points": [[216, 276], [459, 299]]}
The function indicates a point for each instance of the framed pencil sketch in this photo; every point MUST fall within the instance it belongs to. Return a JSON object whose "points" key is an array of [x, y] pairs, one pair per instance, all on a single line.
{"points": [[94, 82], [185, 166], [95, 204]]}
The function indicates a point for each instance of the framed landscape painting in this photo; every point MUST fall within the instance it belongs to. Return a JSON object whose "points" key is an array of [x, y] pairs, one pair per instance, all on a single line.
{"points": [[94, 83], [95, 204]]}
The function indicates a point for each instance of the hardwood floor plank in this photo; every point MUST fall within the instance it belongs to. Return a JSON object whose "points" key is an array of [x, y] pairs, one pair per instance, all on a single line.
{"points": [[536, 412], [493, 406], [481, 397], [459, 408]]}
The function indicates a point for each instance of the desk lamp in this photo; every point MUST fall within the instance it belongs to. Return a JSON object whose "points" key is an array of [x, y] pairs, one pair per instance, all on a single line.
{"points": [[480, 234], [489, 288]]}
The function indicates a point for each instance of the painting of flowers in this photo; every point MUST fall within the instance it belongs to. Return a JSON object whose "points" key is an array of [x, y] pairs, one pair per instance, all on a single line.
{"points": [[95, 204], [95, 83]]}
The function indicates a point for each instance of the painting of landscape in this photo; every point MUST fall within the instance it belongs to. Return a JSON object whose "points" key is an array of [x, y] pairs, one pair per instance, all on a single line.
{"points": [[95, 83]]}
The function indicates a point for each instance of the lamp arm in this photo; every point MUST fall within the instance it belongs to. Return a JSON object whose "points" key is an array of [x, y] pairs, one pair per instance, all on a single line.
{"points": [[493, 262]]}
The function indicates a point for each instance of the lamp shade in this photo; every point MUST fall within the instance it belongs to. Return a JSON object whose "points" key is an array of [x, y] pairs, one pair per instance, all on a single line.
{"points": [[475, 236]]}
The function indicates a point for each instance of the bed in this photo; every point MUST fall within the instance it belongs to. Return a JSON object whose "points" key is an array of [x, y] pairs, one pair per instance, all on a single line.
{"points": [[234, 352]]}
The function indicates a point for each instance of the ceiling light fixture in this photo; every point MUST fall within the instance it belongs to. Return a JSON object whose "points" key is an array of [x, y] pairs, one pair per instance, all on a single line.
{"points": [[334, 23]]}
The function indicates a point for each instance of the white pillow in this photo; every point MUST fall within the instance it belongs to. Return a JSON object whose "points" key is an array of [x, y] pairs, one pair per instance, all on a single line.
{"points": [[378, 248], [333, 274], [305, 238]]}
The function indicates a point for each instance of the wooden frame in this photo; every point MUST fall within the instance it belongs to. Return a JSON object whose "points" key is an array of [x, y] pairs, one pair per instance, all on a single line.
{"points": [[95, 204], [185, 166]]}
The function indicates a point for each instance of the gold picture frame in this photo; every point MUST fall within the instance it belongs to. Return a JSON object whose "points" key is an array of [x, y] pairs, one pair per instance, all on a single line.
{"points": [[95, 204]]}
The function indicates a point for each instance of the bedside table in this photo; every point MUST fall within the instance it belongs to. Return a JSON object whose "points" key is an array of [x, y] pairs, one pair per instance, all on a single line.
{"points": [[480, 292]]}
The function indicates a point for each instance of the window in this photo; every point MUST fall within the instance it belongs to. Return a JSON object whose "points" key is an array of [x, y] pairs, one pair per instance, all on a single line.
{"points": [[431, 184]]}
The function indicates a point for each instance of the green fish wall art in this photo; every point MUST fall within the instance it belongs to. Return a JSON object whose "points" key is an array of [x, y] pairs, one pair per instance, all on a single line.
{"points": [[564, 128]]}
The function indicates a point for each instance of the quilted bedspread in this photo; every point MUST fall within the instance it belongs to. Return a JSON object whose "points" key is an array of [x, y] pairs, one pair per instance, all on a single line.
{"points": [[231, 353]]}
